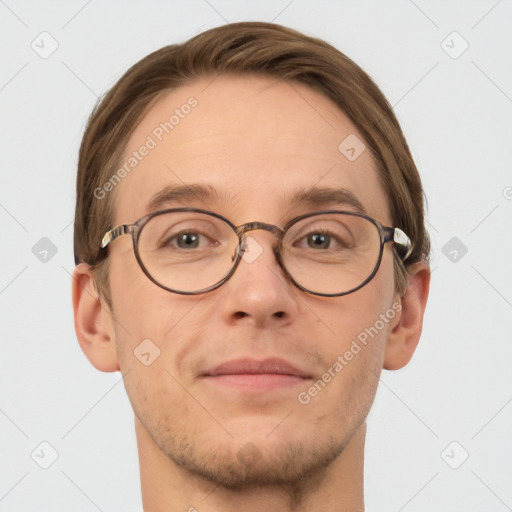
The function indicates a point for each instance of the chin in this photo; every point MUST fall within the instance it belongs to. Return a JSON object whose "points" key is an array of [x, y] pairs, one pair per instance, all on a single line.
{"points": [[256, 465]]}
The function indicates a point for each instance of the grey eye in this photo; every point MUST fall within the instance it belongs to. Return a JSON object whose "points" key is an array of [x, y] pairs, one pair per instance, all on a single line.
{"points": [[319, 240], [187, 240]]}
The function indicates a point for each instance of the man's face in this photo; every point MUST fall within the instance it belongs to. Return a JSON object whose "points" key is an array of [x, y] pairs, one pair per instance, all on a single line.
{"points": [[255, 140]]}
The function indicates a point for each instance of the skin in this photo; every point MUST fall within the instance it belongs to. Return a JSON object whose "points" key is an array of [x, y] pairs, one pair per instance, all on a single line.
{"points": [[210, 448]]}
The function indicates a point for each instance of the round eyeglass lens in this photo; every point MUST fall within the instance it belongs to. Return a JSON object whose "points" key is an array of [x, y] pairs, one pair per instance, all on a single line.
{"points": [[187, 251], [331, 253]]}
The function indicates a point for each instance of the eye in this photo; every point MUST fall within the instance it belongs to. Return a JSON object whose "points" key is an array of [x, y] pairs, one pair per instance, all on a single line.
{"points": [[319, 240], [186, 240], [323, 239]]}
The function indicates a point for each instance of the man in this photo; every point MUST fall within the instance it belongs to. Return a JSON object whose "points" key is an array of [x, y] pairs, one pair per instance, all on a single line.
{"points": [[251, 252]]}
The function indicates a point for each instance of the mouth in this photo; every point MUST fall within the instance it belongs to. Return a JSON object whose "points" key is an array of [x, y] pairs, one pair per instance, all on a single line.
{"points": [[254, 375]]}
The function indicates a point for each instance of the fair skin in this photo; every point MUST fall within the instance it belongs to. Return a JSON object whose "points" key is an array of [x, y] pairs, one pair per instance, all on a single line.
{"points": [[256, 138]]}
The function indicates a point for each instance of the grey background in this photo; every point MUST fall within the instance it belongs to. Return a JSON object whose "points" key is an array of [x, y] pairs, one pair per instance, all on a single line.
{"points": [[456, 115]]}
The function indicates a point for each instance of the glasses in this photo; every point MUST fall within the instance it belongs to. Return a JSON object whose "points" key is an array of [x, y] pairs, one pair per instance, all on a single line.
{"points": [[191, 251]]}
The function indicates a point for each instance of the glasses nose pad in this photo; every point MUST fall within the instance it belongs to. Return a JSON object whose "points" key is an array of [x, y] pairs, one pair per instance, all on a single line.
{"points": [[250, 249], [239, 250]]}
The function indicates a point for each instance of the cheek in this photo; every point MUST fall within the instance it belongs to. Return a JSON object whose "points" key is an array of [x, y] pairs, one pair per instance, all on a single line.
{"points": [[152, 325], [359, 325], [140, 307], [342, 396], [353, 315]]}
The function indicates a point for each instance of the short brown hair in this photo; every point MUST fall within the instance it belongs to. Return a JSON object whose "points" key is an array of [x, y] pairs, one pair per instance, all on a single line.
{"points": [[244, 48]]}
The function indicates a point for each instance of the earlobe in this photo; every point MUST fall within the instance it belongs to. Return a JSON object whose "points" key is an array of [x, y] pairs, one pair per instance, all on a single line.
{"points": [[93, 325], [405, 334]]}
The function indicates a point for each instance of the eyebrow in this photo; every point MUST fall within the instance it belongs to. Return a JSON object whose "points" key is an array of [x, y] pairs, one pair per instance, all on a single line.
{"points": [[312, 197], [323, 196], [183, 194]]}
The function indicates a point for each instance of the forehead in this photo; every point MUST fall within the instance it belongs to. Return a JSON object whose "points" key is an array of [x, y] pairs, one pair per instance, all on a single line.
{"points": [[254, 142]]}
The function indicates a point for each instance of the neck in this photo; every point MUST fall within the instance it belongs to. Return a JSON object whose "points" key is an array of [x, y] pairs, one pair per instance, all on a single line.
{"points": [[168, 487]]}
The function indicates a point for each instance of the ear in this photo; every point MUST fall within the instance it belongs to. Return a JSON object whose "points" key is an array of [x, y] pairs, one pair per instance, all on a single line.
{"points": [[93, 321], [405, 334]]}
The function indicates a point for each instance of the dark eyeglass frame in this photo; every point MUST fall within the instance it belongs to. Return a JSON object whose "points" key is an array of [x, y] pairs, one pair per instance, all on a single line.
{"points": [[386, 233]]}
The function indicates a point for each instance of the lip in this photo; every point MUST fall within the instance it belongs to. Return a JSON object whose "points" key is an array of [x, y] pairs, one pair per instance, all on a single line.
{"points": [[247, 366], [256, 375]]}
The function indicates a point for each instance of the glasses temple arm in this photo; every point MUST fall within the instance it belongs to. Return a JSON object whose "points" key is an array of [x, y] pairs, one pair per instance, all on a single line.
{"points": [[114, 233], [400, 238]]}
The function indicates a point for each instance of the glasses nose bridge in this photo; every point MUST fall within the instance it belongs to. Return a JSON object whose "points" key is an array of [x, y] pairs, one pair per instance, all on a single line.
{"points": [[271, 228], [252, 226]]}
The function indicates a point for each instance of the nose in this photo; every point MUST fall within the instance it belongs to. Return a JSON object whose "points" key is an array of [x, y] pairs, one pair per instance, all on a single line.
{"points": [[259, 292]]}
